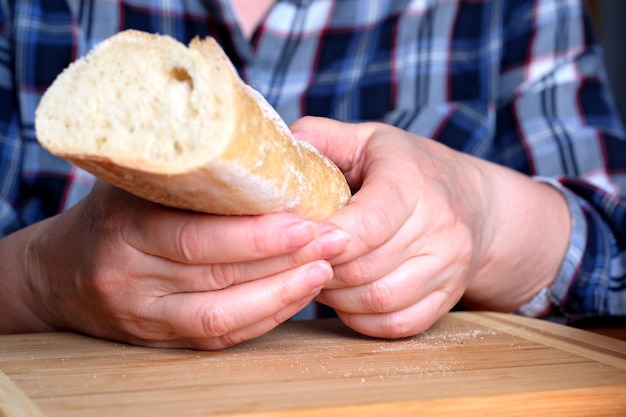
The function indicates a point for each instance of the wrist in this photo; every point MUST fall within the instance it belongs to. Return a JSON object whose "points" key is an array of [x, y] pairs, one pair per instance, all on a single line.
{"points": [[528, 229], [19, 299], [556, 293]]}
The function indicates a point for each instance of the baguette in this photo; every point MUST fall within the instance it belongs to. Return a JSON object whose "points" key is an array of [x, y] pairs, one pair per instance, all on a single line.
{"points": [[176, 125]]}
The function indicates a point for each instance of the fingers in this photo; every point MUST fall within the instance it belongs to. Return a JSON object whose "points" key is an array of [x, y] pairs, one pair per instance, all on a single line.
{"points": [[408, 285], [379, 214], [200, 252], [411, 224], [395, 291], [340, 142], [196, 238], [177, 277], [222, 280], [153, 275], [237, 336], [408, 322], [372, 153], [373, 218], [214, 320]]}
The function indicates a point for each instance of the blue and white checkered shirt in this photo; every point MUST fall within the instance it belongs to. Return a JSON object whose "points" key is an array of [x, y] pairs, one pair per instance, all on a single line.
{"points": [[517, 82]]}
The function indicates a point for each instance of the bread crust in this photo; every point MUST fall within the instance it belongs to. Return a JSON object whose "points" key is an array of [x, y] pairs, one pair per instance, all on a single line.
{"points": [[259, 167]]}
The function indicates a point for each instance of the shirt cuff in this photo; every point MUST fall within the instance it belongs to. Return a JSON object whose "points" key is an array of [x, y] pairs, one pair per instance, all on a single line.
{"points": [[544, 303]]}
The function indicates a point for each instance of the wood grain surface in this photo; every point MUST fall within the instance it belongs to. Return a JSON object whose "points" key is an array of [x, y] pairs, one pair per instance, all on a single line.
{"points": [[467, 364]]}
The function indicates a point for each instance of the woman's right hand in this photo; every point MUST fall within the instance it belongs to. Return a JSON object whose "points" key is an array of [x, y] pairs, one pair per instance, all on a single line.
{"points": [[119, 267]]}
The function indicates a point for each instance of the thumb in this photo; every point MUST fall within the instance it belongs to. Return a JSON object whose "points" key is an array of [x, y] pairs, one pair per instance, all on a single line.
{"points": [[337, 140]]}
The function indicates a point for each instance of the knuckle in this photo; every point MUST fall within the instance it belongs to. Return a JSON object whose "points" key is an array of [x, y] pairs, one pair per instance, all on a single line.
{"points": [[295, 259], [354, 273], [258, 242], [397, 326], [285, 313], [379, 297], [229, 339], [215, 322], [258, 245], [187, 240], [285, 294], [222, 275], [376, 227]]}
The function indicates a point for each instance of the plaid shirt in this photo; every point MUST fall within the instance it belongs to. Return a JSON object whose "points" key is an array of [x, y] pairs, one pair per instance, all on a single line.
{"points": [[520, 83]]}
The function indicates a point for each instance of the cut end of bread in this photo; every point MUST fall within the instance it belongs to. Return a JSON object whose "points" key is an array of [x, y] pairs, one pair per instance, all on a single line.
{"points": [[132, 91]]}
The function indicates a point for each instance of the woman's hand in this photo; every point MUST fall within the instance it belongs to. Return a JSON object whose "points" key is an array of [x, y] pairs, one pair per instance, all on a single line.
{"points": [[429, 226], [119, 267]]}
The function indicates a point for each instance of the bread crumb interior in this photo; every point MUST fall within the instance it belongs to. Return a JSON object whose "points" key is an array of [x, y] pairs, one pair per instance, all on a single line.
{"points": [[151, 103]]}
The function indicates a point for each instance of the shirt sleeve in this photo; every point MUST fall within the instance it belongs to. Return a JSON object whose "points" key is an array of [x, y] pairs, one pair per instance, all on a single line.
{"points": [[568, 123], [11, 148]]}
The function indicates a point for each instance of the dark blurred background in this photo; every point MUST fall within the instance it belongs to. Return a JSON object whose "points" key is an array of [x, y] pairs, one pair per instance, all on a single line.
{"points": [[609, 18]]}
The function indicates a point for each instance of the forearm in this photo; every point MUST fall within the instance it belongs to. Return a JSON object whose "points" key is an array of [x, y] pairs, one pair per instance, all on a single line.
{"points": [[526, 239], [18, 303]]}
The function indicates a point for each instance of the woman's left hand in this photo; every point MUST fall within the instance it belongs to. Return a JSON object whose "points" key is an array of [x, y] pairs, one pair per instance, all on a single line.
{"points": [[427, 226]]}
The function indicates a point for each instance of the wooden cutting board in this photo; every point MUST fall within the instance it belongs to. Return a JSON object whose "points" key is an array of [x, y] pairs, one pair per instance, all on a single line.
{"points": [[467, 364]]}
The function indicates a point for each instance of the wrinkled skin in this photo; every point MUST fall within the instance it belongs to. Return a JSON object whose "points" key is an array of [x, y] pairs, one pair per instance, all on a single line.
{"points": [[429, 227], [119, 267]]}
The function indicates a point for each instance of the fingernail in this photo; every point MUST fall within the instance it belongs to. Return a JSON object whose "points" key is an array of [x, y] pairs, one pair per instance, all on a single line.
{"points": [[334, 242], [299, 234], [318, 275]]}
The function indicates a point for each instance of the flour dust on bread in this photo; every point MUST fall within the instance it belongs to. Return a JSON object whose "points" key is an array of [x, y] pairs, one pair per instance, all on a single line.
{"points": [[177, 126]]}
